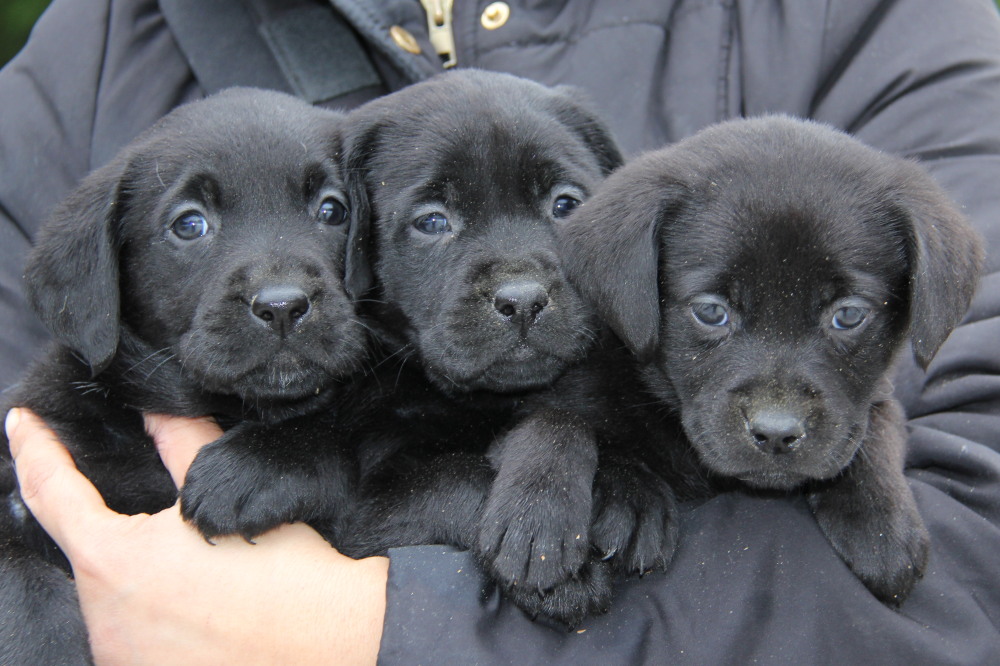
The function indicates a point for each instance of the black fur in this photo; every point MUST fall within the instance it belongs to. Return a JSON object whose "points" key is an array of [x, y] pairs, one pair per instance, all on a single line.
{"points": [[467, 445], [249, 321], [727, 263]]}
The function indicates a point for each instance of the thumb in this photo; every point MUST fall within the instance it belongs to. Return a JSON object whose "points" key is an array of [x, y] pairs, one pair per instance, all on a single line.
{"points": [[179, 439], [62, 499]]}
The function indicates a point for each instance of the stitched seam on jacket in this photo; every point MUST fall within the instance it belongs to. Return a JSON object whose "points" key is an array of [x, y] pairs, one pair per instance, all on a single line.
{"points": [[725, 55], [99, 84], [569, 38], [678, 9]]}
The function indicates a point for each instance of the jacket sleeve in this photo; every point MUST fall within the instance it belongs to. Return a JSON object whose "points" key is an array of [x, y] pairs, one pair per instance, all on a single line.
{"points": [[92, 76], [48, 107], [754, 579]]}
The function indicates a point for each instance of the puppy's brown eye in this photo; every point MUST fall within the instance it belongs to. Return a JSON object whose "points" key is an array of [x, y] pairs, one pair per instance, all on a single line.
{"points": [[432, 223], [190, 226], [332, 212], [710, 313], [849, 317], [563, 206]]}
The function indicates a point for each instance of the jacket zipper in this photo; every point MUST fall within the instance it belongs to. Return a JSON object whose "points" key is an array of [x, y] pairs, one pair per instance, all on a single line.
{"points": [[439, 30]]}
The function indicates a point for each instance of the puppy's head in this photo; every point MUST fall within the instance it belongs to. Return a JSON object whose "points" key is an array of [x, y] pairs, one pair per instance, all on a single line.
{"points": [[215, 241], [768, 270], [466, 176]]}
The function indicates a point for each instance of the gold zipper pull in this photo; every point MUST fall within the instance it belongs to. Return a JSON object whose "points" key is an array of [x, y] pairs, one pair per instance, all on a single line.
{"points": [[439, 29]]}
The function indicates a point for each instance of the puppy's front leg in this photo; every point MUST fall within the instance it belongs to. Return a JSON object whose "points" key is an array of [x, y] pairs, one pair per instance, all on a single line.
{"points": [[534, 531], [869, 514], [440, 501], [256, 477]]}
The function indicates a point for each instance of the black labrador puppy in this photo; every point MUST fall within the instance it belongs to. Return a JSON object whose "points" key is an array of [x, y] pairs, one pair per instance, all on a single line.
{"points": [[767, 272], [200, 272], [461, 182]]}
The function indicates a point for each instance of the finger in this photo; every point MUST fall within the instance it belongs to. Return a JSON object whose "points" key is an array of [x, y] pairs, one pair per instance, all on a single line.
{"points": [[62, 499], [179, 439]]}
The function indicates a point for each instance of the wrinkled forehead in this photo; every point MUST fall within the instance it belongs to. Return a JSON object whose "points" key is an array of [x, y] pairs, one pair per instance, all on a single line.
{"points": [[256, 148], [244, 163], [764, 249], [486, 149]]}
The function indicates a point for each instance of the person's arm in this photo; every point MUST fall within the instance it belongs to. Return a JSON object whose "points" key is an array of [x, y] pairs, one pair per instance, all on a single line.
{"points": [[45, 112], [153, 590], [93, 74]]}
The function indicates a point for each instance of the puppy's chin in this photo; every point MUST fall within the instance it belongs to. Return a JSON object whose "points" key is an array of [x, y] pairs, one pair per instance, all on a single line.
{"points": [[763, 480], [741, 459], [268, 368], [282, 378], [513, 373], [270, 384]]}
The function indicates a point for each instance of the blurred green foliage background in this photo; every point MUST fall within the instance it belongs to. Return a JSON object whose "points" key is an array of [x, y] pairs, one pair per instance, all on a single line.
{"points": [[17, 17]]}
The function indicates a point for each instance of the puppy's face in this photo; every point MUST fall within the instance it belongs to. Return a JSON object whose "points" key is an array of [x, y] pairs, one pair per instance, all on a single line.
{"points": [[221, 233], [768, 271], [467, 177], [779, 317]]}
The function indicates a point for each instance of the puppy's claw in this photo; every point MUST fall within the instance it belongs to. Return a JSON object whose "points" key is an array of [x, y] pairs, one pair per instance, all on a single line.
{"points": [[515, 558], [570, 602], [635, 519]]}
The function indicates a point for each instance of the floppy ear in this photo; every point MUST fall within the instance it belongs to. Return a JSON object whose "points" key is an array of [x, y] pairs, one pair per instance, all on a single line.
{"points": [[611, 246], [587, 125], [946, 257], [358, 276], [72, 272]]}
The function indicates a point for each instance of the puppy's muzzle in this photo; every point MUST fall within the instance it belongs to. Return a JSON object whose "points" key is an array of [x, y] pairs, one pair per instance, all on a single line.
{"points": [[281, 308], [521, 302]]}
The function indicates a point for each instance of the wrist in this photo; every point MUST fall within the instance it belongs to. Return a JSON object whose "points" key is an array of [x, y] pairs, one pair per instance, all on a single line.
{"points": [[344, 621]]}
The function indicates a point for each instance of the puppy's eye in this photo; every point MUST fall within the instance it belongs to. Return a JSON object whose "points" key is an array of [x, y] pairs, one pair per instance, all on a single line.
{"points": [[849, 317], [432, 223], [710, 313], [190, 226], [332, 212], [563, 206]]}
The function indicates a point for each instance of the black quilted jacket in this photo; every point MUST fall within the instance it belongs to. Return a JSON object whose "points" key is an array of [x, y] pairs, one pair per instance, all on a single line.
{"points": [[754, 581]]}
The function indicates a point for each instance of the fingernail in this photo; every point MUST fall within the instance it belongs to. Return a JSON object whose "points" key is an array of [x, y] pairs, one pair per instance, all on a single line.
{"points": [[13, 419]]}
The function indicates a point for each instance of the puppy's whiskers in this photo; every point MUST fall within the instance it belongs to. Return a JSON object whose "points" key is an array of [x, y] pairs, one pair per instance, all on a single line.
{"points": [[87, 388], [399, 372], [159, 365], [148, 373], [406, 351], [587, 333], [156, 166]]}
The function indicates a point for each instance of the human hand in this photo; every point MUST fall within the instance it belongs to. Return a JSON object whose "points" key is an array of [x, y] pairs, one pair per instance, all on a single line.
{"points": [[152, 590]]}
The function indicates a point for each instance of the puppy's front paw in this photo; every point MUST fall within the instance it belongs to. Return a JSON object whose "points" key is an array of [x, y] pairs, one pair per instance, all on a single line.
{"points": [[230, 491], [587, 592], [635, 518], [535, 539], [886, 548]]}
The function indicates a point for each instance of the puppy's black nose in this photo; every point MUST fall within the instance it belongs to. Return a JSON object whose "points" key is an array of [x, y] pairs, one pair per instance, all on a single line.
{"points": [[281, 307], [775, 430], [521, 301]]}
